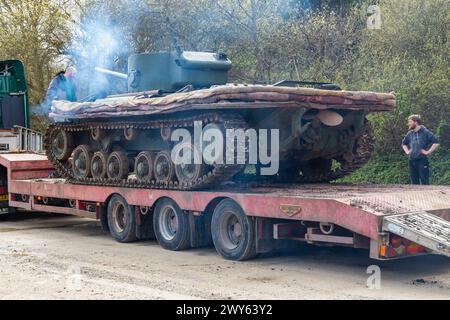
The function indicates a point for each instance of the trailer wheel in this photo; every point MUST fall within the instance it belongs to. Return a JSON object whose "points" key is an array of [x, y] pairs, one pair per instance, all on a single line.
{"points": [[233, 232], [171, 226], [121, 219]]}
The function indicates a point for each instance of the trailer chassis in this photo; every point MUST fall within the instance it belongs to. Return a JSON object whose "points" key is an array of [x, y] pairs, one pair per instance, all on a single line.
{"points": [[241, 222]]}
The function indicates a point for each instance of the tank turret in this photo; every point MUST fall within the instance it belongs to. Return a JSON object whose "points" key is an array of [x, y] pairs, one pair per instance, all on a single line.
{"points": [[171, 71]]}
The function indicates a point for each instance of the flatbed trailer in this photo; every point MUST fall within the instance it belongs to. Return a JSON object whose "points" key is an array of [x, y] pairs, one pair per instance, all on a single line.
{"points": [[391, 221]]}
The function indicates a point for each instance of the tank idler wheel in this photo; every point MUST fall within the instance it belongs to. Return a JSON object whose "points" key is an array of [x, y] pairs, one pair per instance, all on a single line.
{"points": [[130, 134], [62, 145], [186, 170], [118, 166], [82, 162], [99, 164], [171, 226], [164, 168], [233, 232], [143, 166], [97, 134]]}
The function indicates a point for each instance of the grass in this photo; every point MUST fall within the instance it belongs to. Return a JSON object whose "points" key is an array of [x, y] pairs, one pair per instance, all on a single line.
{"points": [[393, 169]]}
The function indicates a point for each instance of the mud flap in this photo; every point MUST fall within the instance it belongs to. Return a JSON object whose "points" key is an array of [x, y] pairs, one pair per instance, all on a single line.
{"points": [[423, 228], [200, 230], [265, 242], [144, 226], [104, 218]]}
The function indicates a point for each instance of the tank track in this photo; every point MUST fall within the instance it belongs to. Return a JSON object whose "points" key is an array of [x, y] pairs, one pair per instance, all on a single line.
{"points": [[219, 173], [363, 151]]}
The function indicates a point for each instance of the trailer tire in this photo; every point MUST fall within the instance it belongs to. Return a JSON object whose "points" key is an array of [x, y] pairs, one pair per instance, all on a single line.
{"points": [[233, 232], [171, 226], [121, 220]]}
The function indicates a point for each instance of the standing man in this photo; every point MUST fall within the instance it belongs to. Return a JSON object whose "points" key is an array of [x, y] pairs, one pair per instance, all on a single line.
{"points": [[418, 143], [62, 87]]}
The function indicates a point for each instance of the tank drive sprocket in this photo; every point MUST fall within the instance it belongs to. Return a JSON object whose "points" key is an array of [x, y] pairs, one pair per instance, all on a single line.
{"points": [[326, 170]]}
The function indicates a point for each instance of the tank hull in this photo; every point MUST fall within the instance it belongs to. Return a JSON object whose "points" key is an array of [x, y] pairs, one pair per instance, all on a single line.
{"points": [[322, 135]]}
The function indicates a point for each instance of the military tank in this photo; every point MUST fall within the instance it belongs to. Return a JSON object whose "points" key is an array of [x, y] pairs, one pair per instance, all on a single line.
{"points": [[128, 140]]}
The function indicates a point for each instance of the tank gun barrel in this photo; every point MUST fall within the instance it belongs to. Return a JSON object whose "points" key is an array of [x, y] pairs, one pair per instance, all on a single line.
{"points": [[112, 73]]}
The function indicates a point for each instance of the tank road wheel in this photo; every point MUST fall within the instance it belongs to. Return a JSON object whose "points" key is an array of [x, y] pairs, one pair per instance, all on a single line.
{"points": [[233, 232], [99, 164], [62, 145], [164, 167], [189, 172], [121, 220], [144, 166], [118, 166], [171, 226], [82, 162]]}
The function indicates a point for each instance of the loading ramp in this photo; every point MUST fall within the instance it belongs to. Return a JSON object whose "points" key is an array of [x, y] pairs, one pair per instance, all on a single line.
{"points": [[423, 228]]}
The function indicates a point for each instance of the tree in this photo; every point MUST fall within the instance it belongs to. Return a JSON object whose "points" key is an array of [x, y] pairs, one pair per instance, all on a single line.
{"points": [[36, 32], [408, 55]]}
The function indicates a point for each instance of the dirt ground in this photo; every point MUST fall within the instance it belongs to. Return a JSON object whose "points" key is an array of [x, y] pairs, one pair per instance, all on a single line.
{"points": [[60, 257]]}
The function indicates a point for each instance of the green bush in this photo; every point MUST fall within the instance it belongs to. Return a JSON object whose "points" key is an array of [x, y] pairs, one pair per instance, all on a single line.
{"points": [[393, 169], [444, 134], [39, 122]]}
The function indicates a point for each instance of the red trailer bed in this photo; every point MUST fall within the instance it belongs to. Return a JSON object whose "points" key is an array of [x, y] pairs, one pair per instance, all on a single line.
{"points": [[387, 219]]}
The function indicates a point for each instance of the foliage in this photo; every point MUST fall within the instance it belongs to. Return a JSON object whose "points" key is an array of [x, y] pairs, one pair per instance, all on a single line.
{"points": [[394, 169], [36, 32], [408, 55]]}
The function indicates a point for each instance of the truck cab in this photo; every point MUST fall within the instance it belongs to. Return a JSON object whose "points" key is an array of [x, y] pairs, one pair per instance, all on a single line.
{"points": [[13, 95], [14, 117]]}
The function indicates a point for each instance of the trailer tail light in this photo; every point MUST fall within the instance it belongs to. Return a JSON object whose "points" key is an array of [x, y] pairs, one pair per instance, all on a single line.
{"points": [[399, 246], [414, 248], [383, 250]]}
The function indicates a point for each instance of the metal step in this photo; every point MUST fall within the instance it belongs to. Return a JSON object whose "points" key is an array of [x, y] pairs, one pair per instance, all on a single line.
{"points": [[422, 228]]}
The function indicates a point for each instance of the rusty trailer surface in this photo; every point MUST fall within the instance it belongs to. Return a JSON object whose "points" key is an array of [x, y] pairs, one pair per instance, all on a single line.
{"points": [[391, 221]]}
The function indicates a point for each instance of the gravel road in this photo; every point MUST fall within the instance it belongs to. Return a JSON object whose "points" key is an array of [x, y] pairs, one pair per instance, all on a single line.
{"points": [[60, 257]]}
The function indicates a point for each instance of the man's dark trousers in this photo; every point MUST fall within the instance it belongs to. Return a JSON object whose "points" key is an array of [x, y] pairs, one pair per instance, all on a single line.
{"points": [[419, 171]]}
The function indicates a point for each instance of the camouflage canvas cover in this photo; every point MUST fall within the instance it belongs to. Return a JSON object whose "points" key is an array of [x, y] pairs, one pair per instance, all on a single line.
{"points": [[224, 97]]}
